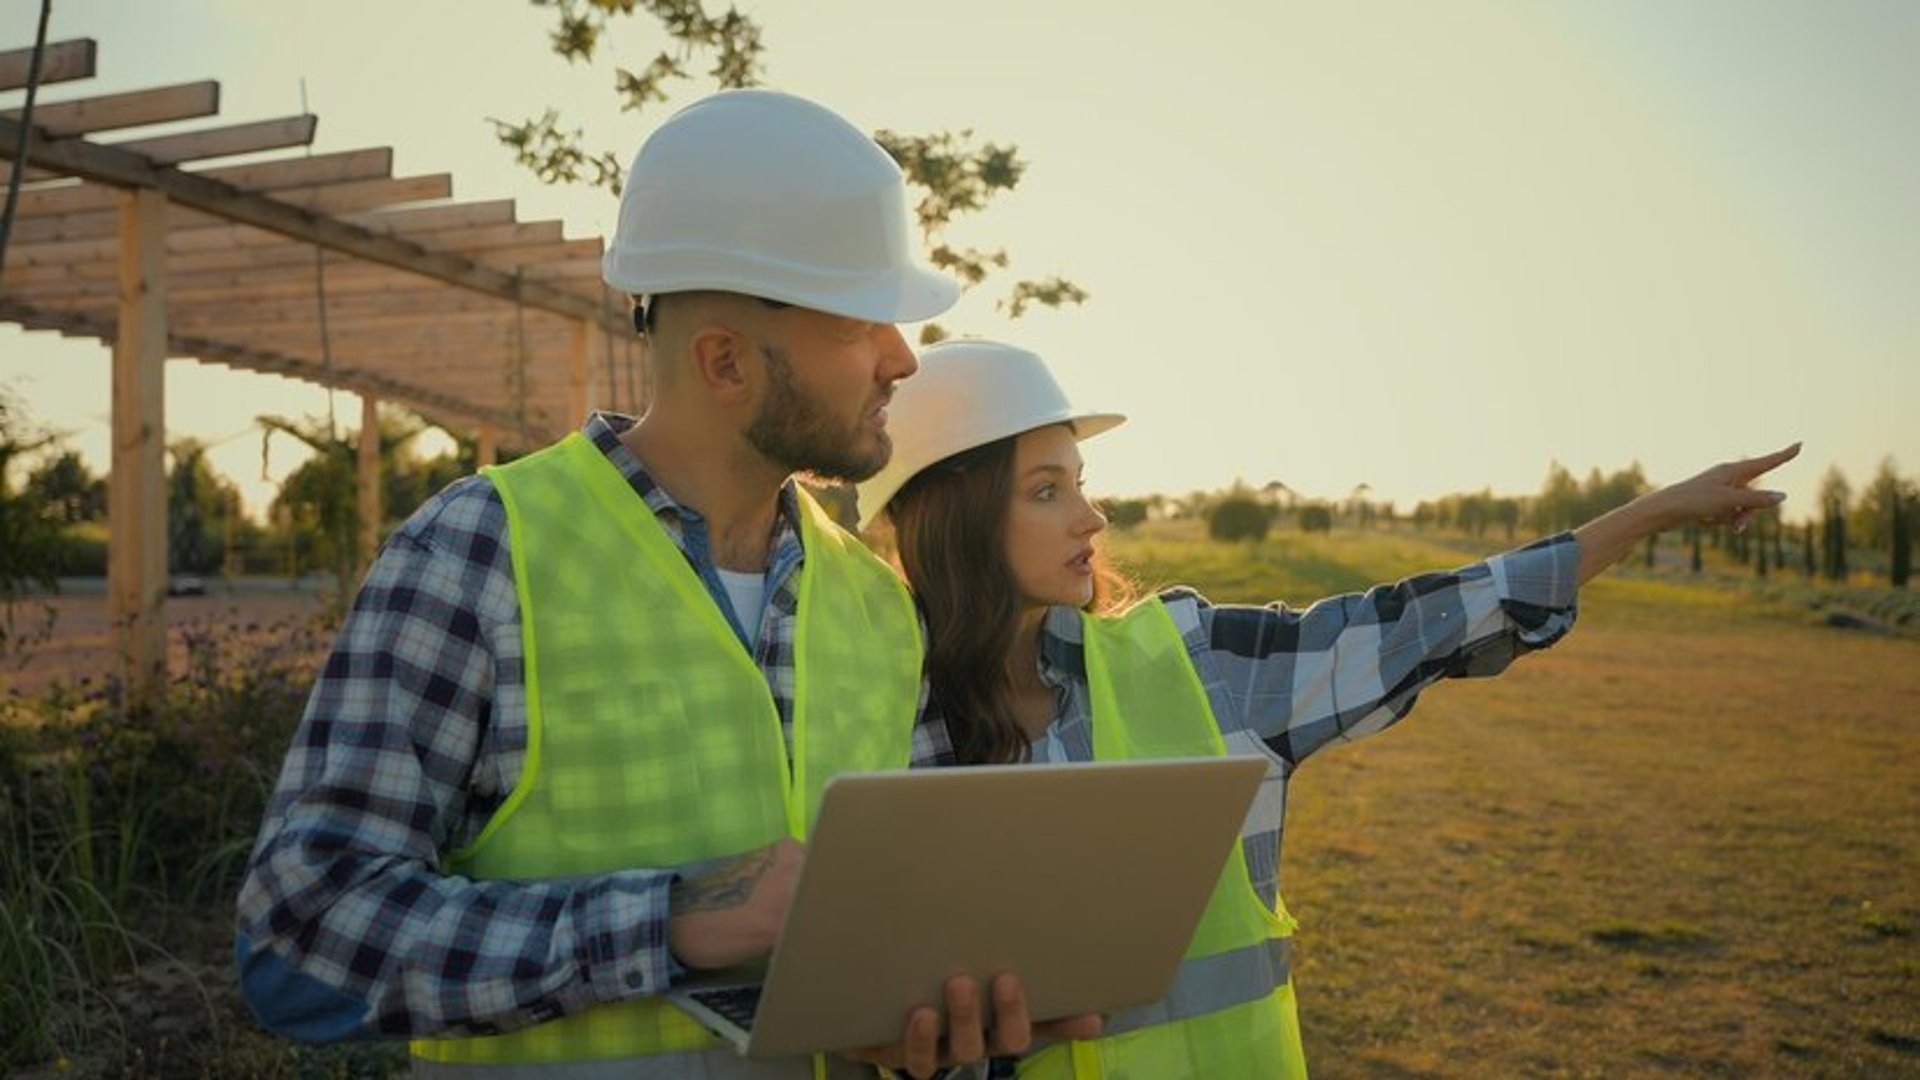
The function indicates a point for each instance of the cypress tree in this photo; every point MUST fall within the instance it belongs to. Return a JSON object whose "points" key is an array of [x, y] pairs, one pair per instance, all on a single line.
{"points": [[1902, 567]]}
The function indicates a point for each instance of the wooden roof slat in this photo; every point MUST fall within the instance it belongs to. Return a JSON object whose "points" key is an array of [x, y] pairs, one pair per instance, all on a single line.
{"points": [[135, 108], [63, 61], [65, 197], [513, 257], [430, 218], [366, 195], [338, 167], [216, 142], [433, 401], [494, 236], [438, 303], [354, 195]]}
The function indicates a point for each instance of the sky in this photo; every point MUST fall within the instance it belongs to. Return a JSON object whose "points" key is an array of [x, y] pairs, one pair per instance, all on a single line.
{"points": [[1425, 247]]}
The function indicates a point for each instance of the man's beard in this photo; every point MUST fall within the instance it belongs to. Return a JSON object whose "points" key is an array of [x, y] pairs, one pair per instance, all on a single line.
{"points": [[795, 431]]}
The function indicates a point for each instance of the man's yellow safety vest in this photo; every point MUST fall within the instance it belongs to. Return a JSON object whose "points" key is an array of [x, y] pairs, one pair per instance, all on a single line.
{"points": [[653, 739]]}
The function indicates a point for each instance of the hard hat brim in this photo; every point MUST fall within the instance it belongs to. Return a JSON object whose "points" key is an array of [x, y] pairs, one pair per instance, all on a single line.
{"points": [[907, 295], [873, 495]]}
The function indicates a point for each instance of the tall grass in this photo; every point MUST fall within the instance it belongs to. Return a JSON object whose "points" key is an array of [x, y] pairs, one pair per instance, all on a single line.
{"points": [[116, 813]]}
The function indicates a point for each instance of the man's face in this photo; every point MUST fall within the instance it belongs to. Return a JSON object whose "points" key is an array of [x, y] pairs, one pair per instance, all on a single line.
{"points": [[828, 383]]}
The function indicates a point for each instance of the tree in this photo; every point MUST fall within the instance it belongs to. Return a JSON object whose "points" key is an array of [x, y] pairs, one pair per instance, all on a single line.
{"points": [[1239, 517], [67, 490], [1870, 522], [1124, 513], [1316, 517], [1900, 569], [29, 538], [955, 174], [318, 500], [1835, 495], [199, 507]]}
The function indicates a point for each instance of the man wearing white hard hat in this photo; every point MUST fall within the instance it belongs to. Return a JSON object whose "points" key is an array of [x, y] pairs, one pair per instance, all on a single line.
{"points": [[1034, 655], [536, 782]]}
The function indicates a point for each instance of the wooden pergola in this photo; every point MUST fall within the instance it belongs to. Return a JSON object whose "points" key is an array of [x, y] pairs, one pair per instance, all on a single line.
{"points": [[322, 267]]}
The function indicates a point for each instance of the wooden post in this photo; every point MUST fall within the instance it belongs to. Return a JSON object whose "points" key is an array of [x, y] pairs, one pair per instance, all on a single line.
{"points": [[136, 485], [578, 373], [486, 448], [367, 484]]}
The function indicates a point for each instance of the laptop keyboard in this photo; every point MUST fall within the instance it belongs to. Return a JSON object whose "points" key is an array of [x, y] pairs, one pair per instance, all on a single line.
{"points": [[736, 1003]]}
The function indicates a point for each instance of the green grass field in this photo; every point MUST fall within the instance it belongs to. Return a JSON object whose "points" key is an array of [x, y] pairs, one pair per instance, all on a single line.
{"points": [[1685, 842]]}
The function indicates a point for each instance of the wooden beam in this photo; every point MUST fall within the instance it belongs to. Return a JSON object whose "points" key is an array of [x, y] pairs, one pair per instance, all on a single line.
{"points": [[219, 142], [62, 61], [115, 165], [579, 371], [136, 484], [135, 108]]}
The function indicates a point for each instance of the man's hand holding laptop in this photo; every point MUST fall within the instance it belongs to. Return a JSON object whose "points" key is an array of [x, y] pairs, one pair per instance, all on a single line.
{"points": [[732, 915]]}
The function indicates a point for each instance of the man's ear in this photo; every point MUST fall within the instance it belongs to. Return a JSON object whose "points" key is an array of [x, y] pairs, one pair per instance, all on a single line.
{"points": [[720, 361]]}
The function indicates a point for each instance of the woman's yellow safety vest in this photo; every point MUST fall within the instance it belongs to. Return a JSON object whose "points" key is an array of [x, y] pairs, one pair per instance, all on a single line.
{"points": [[653, 739], [1230, 1015]]}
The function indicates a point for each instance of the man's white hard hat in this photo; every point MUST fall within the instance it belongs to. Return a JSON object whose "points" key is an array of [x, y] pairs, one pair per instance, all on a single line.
{"points": [[969, 393], [770, 195]]}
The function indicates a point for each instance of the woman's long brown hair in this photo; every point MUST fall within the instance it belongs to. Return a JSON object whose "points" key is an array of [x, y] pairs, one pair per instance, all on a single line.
{"points": [[950, 527]]}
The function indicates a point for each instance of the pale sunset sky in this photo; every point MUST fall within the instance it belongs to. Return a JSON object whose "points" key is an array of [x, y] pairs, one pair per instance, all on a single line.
{"points": [[1424, 246]]}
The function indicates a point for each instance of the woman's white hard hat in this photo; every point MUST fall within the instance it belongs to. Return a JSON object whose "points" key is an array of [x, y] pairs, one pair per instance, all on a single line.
{"points": [[770, 195], [969, 393]]}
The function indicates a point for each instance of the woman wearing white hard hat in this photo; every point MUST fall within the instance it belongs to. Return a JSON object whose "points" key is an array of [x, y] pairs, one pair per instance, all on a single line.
{"points": [[1032, 657]]}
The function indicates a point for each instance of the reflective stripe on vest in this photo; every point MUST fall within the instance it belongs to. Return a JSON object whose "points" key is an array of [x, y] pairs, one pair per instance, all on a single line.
{"points": [[1210, 983], [720, 1064], [653, 738], [1231, 1014]]}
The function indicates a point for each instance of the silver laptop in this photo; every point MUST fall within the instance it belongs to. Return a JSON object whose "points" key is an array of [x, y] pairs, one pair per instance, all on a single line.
{"points": [[1088, 880]]}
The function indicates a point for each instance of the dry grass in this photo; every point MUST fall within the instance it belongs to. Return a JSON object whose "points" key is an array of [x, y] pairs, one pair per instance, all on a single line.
{"points": [[1683, 843]]}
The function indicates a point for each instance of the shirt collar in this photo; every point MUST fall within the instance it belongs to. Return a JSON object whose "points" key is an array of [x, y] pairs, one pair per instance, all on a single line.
{"points": [[604, 429]]}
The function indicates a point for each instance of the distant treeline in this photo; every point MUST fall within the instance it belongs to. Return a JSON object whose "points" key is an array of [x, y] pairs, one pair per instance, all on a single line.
{"points": [[52, 521], [1871, 532]]}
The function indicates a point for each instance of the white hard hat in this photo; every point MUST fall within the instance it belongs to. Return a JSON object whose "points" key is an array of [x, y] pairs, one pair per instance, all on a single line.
{"points": [[771, 195], [968, 393]]}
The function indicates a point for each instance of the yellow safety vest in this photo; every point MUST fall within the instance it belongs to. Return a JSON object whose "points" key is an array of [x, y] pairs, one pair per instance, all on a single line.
{"points": [[653, 739], [1231, 1013]]}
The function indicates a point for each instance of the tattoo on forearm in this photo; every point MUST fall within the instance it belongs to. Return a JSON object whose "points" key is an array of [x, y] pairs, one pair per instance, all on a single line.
{"points": [[725, 889]]}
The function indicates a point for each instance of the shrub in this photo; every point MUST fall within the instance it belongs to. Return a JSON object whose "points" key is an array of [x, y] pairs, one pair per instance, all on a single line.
{"points": [[1239, 518], [1316, 518]]}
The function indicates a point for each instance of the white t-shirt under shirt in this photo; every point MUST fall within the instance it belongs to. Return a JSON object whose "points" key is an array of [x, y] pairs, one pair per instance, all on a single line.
{"points": [[748, 594]]}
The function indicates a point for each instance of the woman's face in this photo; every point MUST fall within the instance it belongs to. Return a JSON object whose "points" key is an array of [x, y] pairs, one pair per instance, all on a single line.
{"points": [[1051, 525]]}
